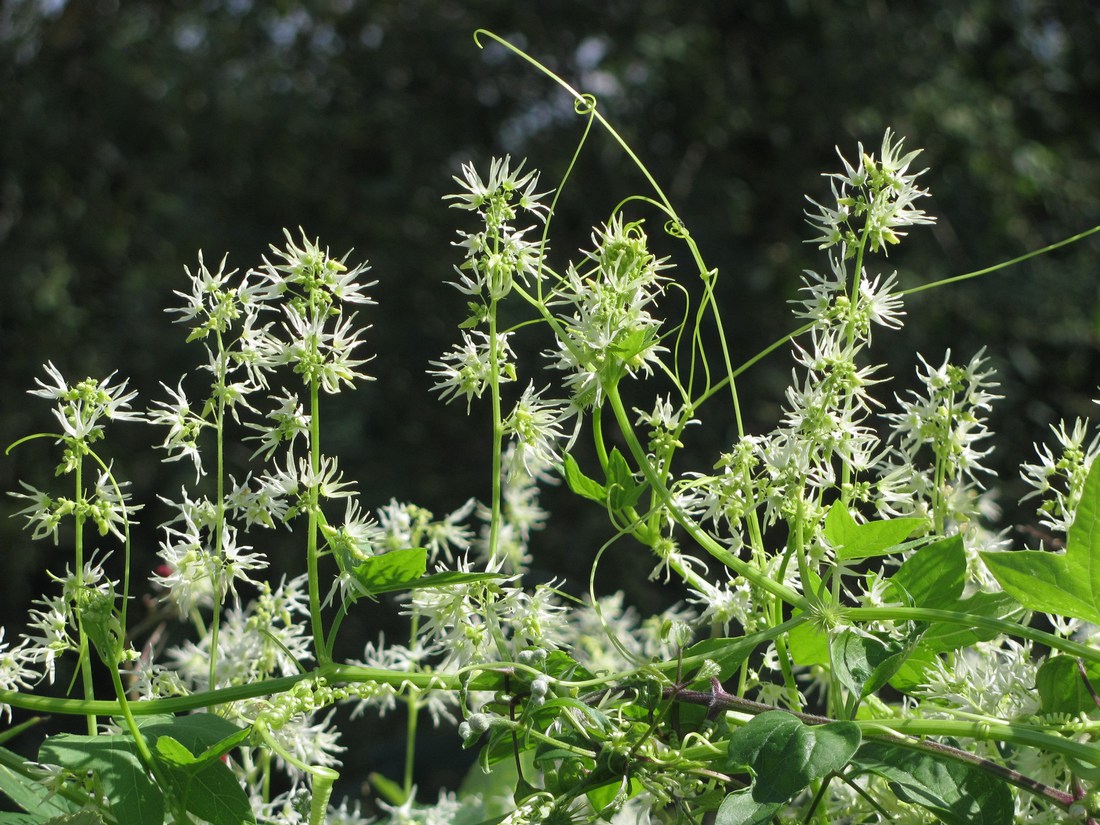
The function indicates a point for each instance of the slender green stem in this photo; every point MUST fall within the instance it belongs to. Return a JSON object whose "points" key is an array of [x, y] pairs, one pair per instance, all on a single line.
{"points": [[412, 706], [131, 724], [989, 732], [217, 573], [322, 778], [587, 104], [146, 756], [331, 673], [697, 533], [321, 651], [1080, 236], [859, 615], [498, 429], [79, 517]]}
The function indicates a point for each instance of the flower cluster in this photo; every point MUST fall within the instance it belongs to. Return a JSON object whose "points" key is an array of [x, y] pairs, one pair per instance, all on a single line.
{"points": [[872, 201], [1058, 478], [810, 566], [603, 309]]}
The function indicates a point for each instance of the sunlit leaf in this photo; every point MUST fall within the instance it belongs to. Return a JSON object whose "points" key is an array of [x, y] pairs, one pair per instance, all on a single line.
{"points": [[956, 793], [874, 538], [114, 765], [581, 484], [389, 572], [864, 662], [785, 755], [741, 809], [1065, 584], [1062, 689]]}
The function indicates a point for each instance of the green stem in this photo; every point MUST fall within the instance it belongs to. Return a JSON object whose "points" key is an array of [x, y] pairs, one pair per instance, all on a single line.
{"points": [[322, 778], [697, 533], [860, 615], [312, 529], [85, 652], [146, 756], [498, 429], [331, 673], [412, 704], [1080, 236], [219, 525], [588, 107]]}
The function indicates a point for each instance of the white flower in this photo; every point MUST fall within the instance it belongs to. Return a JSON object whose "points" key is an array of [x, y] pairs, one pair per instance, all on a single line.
{"points": [[536, 428], [187, 571], [1059, 476], [455, 621], [49, 638], [504, 184], [43, 513], [466, 370], [81, 407], [14, 672], [871, 201], [184, 426], [308, 269], [288, 421]]}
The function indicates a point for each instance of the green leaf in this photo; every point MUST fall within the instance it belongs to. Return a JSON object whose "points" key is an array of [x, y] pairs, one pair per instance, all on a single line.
{"points": [[210, 791], [401, 570], [865, 662], [386, 788], [1065, 584], [205, 734], [935, 575], [101, 623], [624, 490], [956, 793], [943, 636], [26, 792], [606, 799], [581, 484], [1061, 688], [25, 819], [78, 818], [560, 665], [115, 766], [809, 646], [174, 753], [189, 750], [786, 755], [741, 809], [388, 572], [860, 541]]}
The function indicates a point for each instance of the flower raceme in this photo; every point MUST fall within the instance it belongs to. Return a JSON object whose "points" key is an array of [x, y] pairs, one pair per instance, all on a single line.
{"points": [[873, 201]]}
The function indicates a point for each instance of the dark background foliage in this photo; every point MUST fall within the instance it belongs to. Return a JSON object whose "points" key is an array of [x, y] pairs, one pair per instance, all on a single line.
{"points": [[133, 134]]}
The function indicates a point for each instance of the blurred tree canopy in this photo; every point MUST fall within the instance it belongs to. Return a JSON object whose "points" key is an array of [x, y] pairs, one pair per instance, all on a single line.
{"points": [[133, 134]]}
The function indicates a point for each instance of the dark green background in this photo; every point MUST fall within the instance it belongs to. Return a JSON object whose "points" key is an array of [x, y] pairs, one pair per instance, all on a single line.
{"points": [[133, 134]]}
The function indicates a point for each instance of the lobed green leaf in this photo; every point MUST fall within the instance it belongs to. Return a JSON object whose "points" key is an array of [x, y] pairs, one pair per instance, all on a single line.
{"points": [[954, 792], [785, 755], [1064, 584], [852, 540]]}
